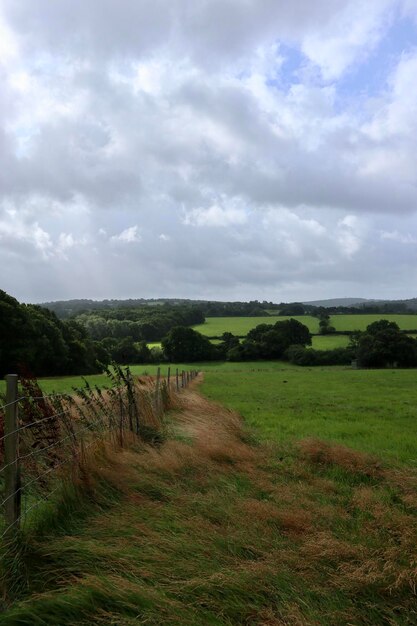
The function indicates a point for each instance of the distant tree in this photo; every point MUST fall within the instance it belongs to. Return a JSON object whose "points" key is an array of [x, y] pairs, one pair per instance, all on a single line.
{"points": [[383, 344], [294, 332], [295, 308], [267, 341], [186, 344]]}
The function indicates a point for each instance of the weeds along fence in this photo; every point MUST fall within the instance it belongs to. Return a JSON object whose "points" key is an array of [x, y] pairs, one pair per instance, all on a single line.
{"points": [[44, 437]]}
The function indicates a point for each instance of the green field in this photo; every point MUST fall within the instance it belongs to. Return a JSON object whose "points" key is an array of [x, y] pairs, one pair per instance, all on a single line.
{"points": [[360, 322], [216, 326], [329, 342], [372, 410]]}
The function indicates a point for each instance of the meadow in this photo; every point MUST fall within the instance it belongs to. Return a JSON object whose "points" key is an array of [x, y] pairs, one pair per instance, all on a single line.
{"points": [[371, 410], [216, 326], [214, 527], [360, 322], [329, 342]]}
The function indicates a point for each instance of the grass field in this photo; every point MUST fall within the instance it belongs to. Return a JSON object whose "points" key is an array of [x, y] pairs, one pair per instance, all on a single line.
{"points": [[329, 342], [371, 410], [360, 322], [212, 528], [216, 326], [65, 384]]}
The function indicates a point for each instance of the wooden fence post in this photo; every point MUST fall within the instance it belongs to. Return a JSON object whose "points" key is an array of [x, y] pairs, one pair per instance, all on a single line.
{"points": [[157, 391], [12, 493], [121, 418]]}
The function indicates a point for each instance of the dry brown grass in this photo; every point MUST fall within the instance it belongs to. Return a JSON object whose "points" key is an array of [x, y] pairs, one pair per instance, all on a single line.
{"points": [[254, 534], [324, 453]]}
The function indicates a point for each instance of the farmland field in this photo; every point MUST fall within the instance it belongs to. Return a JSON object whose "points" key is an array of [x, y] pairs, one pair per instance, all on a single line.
{"points": [[329, 342], [216, 326], [360, 322], [372, 410]]}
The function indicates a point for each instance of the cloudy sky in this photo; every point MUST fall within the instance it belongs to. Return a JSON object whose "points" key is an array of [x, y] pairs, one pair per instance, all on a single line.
{"points": [[227, 149]]}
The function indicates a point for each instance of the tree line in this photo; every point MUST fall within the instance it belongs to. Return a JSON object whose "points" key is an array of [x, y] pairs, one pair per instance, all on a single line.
{"points": [[381, 345], [34, 341]]}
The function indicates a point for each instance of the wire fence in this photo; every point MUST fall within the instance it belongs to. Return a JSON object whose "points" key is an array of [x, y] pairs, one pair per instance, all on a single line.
{"points": [[42, 436]]}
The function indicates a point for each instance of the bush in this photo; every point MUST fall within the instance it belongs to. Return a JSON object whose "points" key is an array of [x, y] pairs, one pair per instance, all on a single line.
{"points": [[299, 355]]}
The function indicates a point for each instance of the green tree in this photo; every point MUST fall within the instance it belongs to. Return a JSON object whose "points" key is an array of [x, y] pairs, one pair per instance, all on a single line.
{"points": [[186, 344]]}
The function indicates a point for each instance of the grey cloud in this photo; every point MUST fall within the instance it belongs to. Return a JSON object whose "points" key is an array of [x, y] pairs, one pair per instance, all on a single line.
{"points": [[139, 114]]}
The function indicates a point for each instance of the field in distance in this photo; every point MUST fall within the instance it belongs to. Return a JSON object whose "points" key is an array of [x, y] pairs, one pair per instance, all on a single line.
{"points": [[216, 326], [360, 322]]}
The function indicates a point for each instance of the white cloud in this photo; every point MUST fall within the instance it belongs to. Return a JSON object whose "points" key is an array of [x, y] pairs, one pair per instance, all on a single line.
{"points": [[129, 235], [398, 237], [225, 128], [216, 216]]}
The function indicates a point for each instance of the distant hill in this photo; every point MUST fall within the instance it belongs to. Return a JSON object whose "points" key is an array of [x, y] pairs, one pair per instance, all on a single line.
{"points": [[341, 302]]}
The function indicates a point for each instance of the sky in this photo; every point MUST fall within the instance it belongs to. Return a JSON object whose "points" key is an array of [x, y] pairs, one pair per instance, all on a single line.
{"points": [[214, 149]]}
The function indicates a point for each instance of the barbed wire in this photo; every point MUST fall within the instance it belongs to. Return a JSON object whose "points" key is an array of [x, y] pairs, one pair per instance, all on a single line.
{"points": [[12, 402], [86, 427], [43, 497], [35, 423], [77, 436]]}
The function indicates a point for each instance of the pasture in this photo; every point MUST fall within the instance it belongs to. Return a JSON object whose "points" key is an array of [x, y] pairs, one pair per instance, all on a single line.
{"points": [[213, 527], [360, 322], [216, 326], [371, 410], [329, 342]]}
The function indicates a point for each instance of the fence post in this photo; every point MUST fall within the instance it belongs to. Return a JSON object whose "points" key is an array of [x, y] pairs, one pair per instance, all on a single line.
{"points": [[157, 391], [176, 379], [121, 418], [12, 492], [168, 379]]}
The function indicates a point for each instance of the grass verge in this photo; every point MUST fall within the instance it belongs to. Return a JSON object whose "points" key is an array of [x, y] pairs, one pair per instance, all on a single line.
{"points": [[215, 528]]}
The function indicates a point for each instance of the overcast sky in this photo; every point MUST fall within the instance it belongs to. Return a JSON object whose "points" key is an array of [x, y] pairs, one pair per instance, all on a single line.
{"points": [[218, 149]]}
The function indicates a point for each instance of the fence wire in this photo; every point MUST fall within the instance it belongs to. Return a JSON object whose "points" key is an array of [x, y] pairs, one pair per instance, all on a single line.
{"points": [[120, 411]]}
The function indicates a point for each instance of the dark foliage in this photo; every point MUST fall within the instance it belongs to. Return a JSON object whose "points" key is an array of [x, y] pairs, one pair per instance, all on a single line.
{"points": [[139, 324], [383, 344], [187, 345], [33, 339], [299, 355], [270, 341]]}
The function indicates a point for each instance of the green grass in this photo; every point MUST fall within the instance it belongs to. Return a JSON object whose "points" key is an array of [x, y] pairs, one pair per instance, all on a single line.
{"points": [[329, 342], [216, 326], [208, 530], [360, 322], [371, 410], [65, 384]]}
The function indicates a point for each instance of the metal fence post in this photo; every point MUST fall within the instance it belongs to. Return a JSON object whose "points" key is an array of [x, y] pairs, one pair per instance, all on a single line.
{"points": [[11, 457], [176, 379], [169, 379]]}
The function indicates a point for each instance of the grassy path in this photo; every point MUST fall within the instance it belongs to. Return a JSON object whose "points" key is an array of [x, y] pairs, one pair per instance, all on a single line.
{"points": [[213, 528]]}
